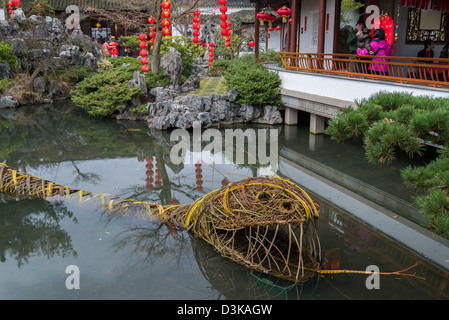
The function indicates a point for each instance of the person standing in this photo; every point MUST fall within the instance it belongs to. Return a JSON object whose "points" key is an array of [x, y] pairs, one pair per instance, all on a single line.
{"points": [[113, 48], [427, 52]]}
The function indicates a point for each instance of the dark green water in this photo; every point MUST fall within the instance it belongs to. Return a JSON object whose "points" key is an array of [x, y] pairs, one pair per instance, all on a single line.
{"points": [[127, 258]]}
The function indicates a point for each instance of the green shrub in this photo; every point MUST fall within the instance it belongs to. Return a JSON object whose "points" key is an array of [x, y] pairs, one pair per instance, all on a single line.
{"points": [[255, 84], [105, 93], [7, 56]]}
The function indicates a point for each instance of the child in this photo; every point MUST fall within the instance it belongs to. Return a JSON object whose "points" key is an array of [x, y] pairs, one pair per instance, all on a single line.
{"points": [[364, 42]]}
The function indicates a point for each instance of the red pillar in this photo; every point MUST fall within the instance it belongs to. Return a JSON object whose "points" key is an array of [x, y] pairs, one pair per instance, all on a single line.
{"points": [[294, 26], [321, 26], [337, 25], [256, 34]]}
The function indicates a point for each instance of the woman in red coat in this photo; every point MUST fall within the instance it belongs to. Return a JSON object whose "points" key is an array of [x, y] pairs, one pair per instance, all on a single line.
{"points": [[113, 48]]}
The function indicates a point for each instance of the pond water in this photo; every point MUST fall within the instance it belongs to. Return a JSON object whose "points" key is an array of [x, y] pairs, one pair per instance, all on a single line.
{"points": [[128, 258]]}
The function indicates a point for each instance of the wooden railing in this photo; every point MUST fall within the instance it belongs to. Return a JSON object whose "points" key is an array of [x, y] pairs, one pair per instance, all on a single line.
{"points": [[433, 72]]}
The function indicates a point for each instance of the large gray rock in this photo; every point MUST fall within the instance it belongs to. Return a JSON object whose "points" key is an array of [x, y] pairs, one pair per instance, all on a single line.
{"points": [[40, 85], [5, 71], [139, 81], [271, 115], [8, 102], [19, 16], [171, 63]]}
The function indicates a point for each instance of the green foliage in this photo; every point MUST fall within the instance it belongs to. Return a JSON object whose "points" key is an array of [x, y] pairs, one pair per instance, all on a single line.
{"points": [[105, 93], [255, 84], [188, 50], [392, 122], [348, 6], [4, 83], [75, 74], [7, 56], [45, 10]]}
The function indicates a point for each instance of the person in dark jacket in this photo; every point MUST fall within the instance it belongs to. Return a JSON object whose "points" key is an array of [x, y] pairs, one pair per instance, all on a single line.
{"points": [[427, 52]]}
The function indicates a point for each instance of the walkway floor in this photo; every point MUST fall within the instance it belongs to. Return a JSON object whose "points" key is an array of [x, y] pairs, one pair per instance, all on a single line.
{"points": [[210, 85]]}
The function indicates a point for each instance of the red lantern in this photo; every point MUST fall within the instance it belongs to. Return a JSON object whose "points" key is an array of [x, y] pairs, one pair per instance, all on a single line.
{"points": [[278, 28], [152, 41], [196, 19], [224, 33], [211, 50], [228, 39], [166, 31], [223, 17], [144, 53], [166, 5], [223, 24], [145, 68], [15, 3], [196, 12], [222, 2], [166, 14], [284, 12], [151, 20], [211, 59], [262, 16], [196, 33], [228, 44], [271, 18], [195, 26], [243, 30], [166, 23], [196, 40], [143, 45], [251, 43], [152, 34], [210, 64], [211, 54], [143, 37], [223, 9], [144, 61], [270, 29], [211, 44]]}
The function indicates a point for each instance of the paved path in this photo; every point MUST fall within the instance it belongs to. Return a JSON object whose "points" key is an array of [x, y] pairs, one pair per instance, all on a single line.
{"points": [[210, 85]]}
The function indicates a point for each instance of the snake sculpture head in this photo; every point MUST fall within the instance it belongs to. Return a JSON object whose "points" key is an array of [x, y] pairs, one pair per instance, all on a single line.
{"points": [[265, 224]]}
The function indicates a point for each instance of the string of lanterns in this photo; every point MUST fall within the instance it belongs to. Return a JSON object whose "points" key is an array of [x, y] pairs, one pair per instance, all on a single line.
{"points": [[149, 180], [211, 53], [38, 6], [166, 14], [199, 177], [196, 26], [144, 53]]}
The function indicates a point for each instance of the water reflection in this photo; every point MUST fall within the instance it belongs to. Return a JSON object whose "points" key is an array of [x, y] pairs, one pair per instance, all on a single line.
{"points": [[32, 227], [63, 145]]}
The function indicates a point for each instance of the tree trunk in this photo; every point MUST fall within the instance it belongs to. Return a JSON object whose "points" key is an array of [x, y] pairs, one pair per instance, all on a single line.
{"points": [[156, 54]]}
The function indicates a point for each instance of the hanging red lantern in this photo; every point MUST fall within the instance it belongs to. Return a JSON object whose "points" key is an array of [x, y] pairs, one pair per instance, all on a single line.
{"points": [[166, 31], [251, 43], [284, 12], [223, 24], [223, 9], [143, 37], [278, 28], [166, 23], [228, 44], [211, 54], [152, 41], [223, 17], [271, 18], [211, 44], [166, 14], [228, 39], [224, 32], [165, 5], [196, 33], [243, 30], [196, 40], [151, 20], [262, 16], [16, 3], [270, 29], [222, 2], [143, 45], [152, 34], [144, 53], [145, 68], [144, 61], [195, 26], [196, 12], [196, 19]]}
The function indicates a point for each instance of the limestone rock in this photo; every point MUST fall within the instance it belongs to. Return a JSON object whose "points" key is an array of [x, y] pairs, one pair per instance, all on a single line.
{"points": [[5, 71], [171, 63], [8, 102]]}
